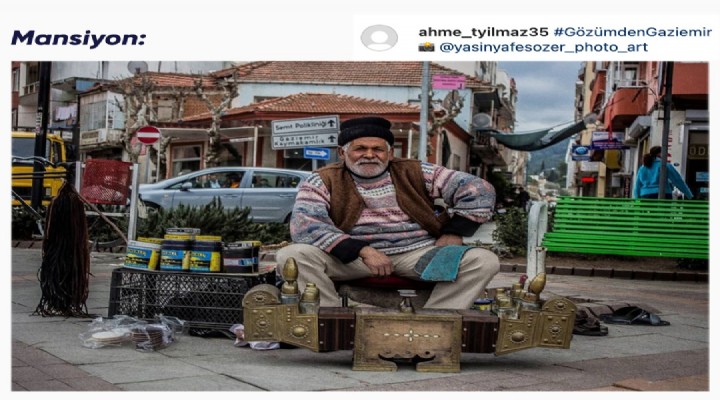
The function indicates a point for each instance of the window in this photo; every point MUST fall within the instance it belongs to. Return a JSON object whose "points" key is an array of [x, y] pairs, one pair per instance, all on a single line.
{"points": [[164, 109], [100, 111], [274, 180], [628, 74], [215, 180], [455, 162], [397, 150], [186, 159], [92, 116], [16, 80]]}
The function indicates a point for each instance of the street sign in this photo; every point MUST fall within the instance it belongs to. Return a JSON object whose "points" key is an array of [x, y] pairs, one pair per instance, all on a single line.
{"points": [[316, 153], [324, 124], [304, 140], [316, 131], [148, 134]]}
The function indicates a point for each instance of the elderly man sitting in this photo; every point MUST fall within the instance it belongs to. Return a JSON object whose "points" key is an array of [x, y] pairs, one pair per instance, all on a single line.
{"points": [[374, 215]]}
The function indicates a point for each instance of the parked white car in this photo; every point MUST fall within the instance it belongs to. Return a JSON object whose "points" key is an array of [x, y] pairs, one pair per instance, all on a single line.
{"points": [[269, 192]]}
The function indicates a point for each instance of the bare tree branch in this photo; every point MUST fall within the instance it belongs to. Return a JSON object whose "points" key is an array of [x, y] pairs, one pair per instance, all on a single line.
{"points": [[228, 88], [137, 108]]}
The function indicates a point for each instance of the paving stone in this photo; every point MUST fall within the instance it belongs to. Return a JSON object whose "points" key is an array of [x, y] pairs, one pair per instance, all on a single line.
{"points": [[62, 371], [685, 383], [90, 383], [22, 374], [46, 386]]}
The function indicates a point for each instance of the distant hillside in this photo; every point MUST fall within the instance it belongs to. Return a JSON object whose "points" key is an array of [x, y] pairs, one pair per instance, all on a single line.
{"points": [[550, 157]]}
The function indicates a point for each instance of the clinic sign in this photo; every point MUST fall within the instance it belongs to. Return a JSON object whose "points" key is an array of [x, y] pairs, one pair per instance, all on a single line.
{"points": [[449, 82], [604, 140], [303, 132]]}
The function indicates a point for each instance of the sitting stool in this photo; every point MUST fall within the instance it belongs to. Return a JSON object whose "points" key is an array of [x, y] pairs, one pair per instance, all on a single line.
{"points": [[383, 292]]}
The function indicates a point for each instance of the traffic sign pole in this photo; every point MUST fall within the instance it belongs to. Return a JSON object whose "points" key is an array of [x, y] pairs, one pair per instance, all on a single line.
{"points": [[148, 135], [147, 164]]}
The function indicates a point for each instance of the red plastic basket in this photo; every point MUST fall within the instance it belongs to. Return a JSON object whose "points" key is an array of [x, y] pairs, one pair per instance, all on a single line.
{"points": [[106, 181]]}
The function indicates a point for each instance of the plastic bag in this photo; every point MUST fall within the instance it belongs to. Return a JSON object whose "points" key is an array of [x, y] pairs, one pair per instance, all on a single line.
{"points": [[104, 332], [152, 336], [122, 329], [239, 331]]}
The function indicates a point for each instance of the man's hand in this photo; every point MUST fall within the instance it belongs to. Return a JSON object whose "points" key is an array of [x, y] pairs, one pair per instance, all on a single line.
{"points": [[447, 240], [377, 262]]}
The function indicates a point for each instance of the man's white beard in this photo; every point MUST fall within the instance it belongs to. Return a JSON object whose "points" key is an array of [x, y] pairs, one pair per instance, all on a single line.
{"points": [[367, 169]]}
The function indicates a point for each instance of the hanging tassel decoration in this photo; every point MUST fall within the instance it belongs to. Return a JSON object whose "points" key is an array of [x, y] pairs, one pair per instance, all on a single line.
{"points": [[64, 274]]}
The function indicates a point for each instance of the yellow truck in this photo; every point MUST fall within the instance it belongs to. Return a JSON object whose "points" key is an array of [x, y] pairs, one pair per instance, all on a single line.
{"points": [[23, 149]]}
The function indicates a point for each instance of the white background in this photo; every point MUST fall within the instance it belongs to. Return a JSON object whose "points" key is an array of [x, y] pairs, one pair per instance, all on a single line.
{"points": [[330, 30]]}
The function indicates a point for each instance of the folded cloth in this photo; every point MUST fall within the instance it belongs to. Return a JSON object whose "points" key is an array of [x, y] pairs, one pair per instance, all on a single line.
{"points": [[632, 315], [441, 264]]}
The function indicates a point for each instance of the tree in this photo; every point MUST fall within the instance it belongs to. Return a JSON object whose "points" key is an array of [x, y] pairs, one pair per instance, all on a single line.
{"points": [[441, 113], [228, 88], [178, 96], [137, 106]]}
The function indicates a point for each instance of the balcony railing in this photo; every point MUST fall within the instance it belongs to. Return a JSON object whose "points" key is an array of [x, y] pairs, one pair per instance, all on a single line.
{"points": [[31, 88]]}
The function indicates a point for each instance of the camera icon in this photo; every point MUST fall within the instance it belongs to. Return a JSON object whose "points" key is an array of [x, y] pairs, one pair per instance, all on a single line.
{"points": [[427, 46]]}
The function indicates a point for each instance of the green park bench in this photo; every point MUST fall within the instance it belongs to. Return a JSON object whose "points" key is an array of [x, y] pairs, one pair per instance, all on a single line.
{"points": [[630, 227], [622, 227]]}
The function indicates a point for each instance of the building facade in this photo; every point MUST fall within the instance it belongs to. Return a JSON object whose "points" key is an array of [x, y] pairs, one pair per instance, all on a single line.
{"points": [[90, 107], [631, 101]]}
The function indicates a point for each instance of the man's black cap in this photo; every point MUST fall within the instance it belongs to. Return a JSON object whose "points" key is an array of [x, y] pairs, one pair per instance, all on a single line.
{"points": [[365, 127]]}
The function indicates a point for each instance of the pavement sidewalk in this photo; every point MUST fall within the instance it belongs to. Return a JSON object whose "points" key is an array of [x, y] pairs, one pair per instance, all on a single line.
{"points": [[47, 354]]}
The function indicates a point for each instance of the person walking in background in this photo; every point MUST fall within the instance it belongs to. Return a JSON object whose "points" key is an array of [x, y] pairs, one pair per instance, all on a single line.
{"points": [[522, 198], [647, 182]]}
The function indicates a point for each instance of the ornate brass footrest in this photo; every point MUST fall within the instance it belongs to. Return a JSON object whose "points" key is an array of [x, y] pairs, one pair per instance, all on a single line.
{"points": [[551, 326], [433, 338]]}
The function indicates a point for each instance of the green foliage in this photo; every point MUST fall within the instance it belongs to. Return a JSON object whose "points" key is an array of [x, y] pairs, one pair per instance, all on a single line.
{"points": [[511, 230], [24, 225], [99, 230], [212, 219]]}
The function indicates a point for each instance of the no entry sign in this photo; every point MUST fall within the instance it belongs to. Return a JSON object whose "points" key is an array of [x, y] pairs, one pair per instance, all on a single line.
{"points": [[148, 134]]}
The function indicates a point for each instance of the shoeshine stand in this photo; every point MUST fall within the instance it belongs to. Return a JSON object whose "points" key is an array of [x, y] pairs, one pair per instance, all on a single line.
{"points": [[434, 339]]}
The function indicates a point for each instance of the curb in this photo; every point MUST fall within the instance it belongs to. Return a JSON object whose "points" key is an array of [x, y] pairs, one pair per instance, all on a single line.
{"points": [[680, 276]]}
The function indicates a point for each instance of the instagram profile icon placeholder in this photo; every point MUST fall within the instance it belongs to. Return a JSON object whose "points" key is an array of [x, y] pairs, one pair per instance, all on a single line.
{"points": [[379, 37]]}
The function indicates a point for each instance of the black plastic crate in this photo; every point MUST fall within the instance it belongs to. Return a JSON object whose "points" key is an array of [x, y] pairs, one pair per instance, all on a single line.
{"points": [[203, 300]]}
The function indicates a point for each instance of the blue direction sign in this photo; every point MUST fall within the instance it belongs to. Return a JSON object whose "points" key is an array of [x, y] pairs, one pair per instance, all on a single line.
{"points": [[317, 153]]}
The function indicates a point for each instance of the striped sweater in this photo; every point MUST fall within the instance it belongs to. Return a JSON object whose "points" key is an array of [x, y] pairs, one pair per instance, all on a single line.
{"points": [[383, 224]]}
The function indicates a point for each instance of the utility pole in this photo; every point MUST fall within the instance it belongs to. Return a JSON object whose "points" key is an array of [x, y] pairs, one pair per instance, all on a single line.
{"points": [[41, 123], [424, 102], [667, 105]]}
